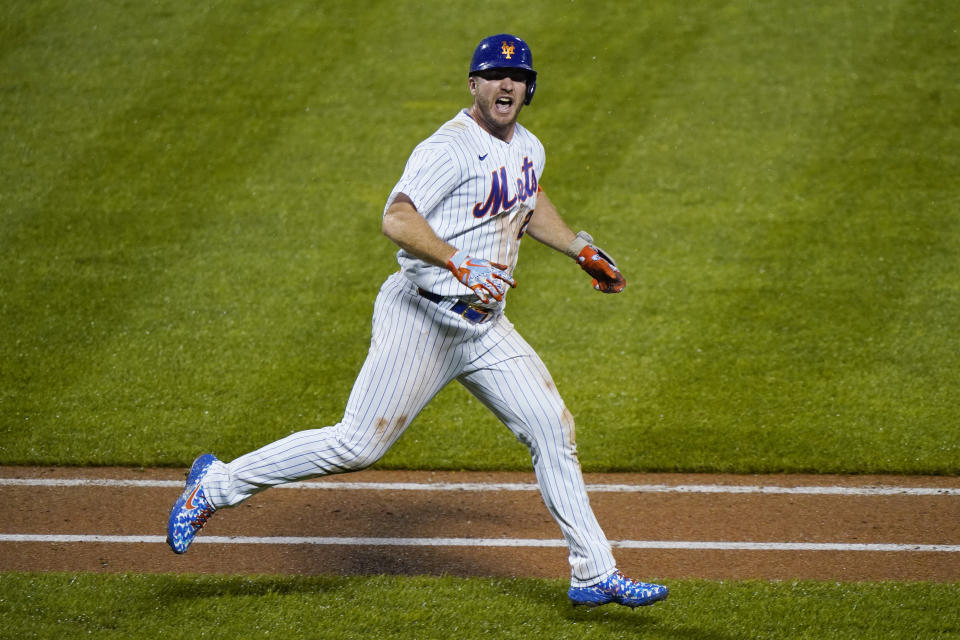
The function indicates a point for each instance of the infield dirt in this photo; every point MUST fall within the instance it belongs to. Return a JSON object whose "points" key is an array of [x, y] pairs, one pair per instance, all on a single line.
{"points": [[904, 519]]}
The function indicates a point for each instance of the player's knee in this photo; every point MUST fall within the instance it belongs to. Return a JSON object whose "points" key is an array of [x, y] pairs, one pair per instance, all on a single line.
{"points": [[355, 456]]}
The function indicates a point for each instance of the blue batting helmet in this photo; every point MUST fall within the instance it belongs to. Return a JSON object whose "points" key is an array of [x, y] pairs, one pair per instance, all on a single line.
{"points": [[505, 51]]}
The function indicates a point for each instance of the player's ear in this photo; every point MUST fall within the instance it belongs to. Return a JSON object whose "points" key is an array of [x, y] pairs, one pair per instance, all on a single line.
{"points": [[472, 85]]}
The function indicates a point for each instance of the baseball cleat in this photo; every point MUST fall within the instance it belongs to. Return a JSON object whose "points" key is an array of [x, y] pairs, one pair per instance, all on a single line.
{"points": [[192, 509], [620, 589]]}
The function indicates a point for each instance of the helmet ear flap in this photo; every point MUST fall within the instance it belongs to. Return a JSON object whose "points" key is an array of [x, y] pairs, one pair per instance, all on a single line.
{"points": [[531, 88]]}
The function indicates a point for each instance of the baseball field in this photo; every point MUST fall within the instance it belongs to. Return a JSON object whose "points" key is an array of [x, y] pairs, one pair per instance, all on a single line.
{"points": [[190, 202]]}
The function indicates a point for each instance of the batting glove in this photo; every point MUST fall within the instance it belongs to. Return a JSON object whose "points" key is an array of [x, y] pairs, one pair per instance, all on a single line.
{"points": [[481, 275], [596, 262]]}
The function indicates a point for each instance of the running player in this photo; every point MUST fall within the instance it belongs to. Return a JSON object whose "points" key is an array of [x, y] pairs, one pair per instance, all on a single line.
{"points": [[468, 195]]}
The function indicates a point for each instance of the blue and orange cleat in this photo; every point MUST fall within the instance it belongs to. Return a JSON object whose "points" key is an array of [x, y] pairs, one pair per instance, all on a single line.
{"points": [[192, 509], [620, 589]]}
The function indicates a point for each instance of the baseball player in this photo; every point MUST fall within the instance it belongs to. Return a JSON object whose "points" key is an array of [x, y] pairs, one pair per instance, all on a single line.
{"points": [[467, 197]]}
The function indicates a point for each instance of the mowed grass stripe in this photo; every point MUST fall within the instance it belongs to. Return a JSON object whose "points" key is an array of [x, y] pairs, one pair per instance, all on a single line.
{"points": [[787, 222], [821, 330], [168, 243], [74, 211], [216, 294]]}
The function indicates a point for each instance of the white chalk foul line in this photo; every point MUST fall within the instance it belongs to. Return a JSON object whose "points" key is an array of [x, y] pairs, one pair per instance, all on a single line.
{"points": [[491, 542], [881, 490]]}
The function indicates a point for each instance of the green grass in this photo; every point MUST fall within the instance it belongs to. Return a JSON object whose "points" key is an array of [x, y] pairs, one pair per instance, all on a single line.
{"points": [[152, 606], [191, 195], [189, 222]]}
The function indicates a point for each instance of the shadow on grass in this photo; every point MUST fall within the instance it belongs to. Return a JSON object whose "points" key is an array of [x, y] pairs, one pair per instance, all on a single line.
{"points": [[198, 587], [519, 601]]}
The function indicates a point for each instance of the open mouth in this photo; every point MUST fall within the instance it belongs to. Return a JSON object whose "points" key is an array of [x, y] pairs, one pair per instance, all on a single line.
{"points": [[504, 104]]}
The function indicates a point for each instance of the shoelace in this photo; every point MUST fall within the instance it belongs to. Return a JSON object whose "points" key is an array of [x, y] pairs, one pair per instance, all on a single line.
{"points": [[622, 585], [202, 518]]}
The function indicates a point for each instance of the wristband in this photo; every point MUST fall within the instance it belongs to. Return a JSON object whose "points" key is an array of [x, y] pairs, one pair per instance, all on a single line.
{"points": [[583, 239], [454, 262]]}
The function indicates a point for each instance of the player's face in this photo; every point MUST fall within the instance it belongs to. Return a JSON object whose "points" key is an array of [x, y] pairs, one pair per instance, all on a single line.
{"points": [[498, 96]]}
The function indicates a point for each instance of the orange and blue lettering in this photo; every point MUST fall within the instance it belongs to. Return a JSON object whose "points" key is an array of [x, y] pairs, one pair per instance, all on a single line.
{"points": [[499, 198]]}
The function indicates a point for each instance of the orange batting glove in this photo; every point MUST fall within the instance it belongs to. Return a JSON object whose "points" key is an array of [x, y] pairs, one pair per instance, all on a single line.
{"points": [[596, 262]]}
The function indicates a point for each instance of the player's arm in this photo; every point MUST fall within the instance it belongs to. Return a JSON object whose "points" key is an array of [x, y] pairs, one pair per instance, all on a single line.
{"points": [[404, 225], [409, 230], [547, 226]]}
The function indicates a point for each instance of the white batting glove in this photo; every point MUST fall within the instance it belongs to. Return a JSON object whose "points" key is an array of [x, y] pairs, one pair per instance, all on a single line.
{"points": [[487, 279]]}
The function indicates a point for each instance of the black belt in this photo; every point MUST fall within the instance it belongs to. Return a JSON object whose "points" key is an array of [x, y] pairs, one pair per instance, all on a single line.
{"points": [[466, 311]]}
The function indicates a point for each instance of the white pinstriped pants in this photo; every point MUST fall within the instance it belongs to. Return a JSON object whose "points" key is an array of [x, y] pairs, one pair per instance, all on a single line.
{"points": [[416, 349]]}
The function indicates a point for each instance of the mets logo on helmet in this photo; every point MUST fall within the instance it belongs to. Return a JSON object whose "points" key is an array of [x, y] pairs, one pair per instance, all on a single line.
{"points": [[506, 49]]}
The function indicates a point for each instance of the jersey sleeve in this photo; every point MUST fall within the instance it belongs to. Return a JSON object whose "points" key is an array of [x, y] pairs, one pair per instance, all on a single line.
{"points": [[430, 174]]}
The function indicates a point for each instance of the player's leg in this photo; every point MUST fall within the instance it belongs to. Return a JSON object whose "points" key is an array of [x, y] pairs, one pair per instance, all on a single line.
{"points": [[511, 379], [413, 354], [411, 358]]}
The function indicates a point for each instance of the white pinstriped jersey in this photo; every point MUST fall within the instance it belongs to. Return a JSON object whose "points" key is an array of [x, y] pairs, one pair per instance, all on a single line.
{"points": [[475, 191]]}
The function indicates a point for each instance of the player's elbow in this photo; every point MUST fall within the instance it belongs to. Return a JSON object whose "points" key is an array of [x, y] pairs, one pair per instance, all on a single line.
{"points": [[396, 220], [388, 226]]}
